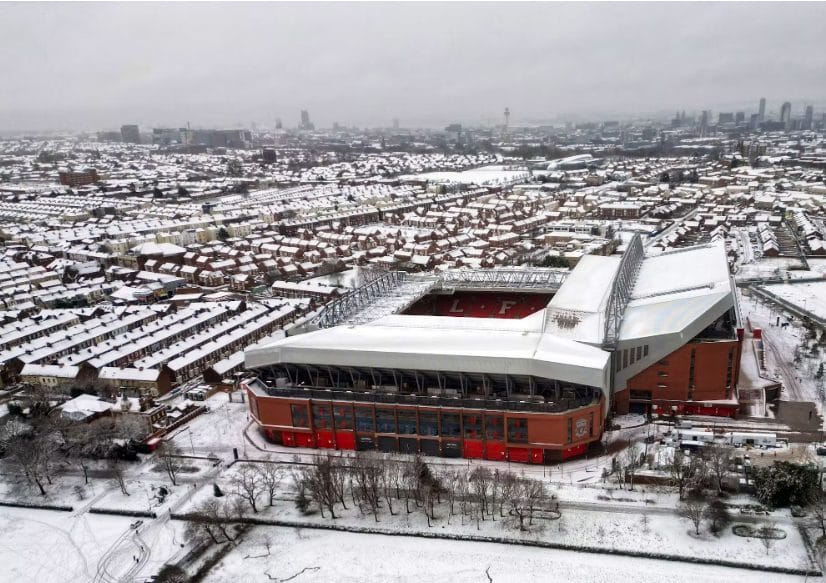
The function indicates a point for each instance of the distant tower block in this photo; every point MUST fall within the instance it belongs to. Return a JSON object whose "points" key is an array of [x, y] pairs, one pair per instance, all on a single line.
{"points": [[507, 117]]}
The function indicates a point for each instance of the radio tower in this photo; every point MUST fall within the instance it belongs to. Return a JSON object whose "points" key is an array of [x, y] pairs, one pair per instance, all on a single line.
{"points": [[507, 118]]}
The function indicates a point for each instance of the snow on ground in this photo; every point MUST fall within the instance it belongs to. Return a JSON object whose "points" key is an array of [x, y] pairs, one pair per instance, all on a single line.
{"points": [[143, 496], [809, 296], [58, 547], [485, 176], [344, 557], [609, 523], [799, 381], [629, 420], [771, 267], [217, 431]]}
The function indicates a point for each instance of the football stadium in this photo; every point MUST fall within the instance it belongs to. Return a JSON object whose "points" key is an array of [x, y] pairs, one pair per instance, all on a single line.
{"points": [[527, 365]]}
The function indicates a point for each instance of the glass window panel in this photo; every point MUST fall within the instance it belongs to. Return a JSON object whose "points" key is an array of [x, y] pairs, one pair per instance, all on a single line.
{"points": [[343, 416], [428, 423], [495, 427], [385, 420], [322, 418], [364, 420], [300, 417], [450, 424], [407, 421], [518, 430], [472, 425]]}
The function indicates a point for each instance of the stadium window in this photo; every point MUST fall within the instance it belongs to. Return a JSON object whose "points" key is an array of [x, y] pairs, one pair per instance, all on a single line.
{"points": [[385, 421], [322, 418], [570, 429], [645, 350], [625, 358], [618, 361], [343, 416], [494, 427], [407, 421], [639, 352], [300, 417], [450, 425], [428, 423], [518, 430], [472, 424], [364, 420], [591, 424], [633, 358]]}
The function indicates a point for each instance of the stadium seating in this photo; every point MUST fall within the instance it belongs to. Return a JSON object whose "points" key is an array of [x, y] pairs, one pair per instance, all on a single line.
{"points": [[480, 305]]}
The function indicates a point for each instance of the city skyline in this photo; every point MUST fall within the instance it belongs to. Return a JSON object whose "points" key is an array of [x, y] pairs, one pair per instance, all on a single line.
{"points": [[441, 64]]}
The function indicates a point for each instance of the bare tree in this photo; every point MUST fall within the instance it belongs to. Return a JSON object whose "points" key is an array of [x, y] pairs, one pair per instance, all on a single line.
{"points": [[271, 476], [451, 478], [518, 507], [29, 453], [214, 520], [481, 482], [248, 485], [687, 471], [390, 477], [719, 516], [630, 462], [509, 483], [318, 480], [695, 508], [366, 474], [766, 534], [718, 456], [84, 442], [170, 460], [339, 472], [535, 496], [115, 467]]}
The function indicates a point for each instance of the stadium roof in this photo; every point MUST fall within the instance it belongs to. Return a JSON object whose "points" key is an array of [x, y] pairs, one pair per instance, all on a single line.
{"points": [[474, 345], [674, 297]]}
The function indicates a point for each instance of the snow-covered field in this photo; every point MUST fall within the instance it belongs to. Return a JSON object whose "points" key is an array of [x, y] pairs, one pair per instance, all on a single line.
{"points": [[43, 546], [590, 518], [809, 296], [344, 557], [485, 176]]}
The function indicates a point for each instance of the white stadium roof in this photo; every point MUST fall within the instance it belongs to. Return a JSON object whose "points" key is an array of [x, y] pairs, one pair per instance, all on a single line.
{"points": [[675, 296], [474, 345]]}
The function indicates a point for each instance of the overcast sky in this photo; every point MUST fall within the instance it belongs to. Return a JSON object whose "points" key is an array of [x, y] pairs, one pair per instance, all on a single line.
{"points": [[94, 66]]}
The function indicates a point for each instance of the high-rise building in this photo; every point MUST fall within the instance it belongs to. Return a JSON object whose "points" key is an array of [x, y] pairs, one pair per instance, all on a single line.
{"points": [[305, 121], [786, 114], [395, 123], [130, 134], [269, 156], [739, 117], [762, 111], [725, 118], [704, 117], [807, 121]]}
